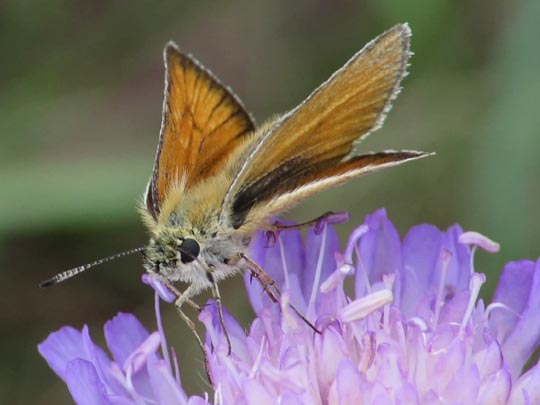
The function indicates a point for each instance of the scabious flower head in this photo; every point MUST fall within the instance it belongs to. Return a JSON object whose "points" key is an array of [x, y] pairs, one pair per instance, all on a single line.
{"points": [[413, 332]]}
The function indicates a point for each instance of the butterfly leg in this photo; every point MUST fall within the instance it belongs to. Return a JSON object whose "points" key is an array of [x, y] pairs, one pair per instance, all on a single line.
{"points": [[327, 217], [268, 284], [178, 294], [185, 297], [217, 297]]}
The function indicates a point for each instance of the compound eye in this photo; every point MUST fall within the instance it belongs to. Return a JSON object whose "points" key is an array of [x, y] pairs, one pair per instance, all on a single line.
{"points": [[189, 250]]}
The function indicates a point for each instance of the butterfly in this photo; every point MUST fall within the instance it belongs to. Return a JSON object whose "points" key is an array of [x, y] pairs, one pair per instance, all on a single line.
{"points": [[217, 178]]}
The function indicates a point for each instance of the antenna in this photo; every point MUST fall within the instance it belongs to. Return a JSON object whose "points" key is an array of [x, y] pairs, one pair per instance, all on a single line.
{"points": [[76, 270]]}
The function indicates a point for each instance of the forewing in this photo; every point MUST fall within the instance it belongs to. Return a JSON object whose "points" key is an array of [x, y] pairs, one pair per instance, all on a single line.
{"points": [[203, 122], [316, 139]]}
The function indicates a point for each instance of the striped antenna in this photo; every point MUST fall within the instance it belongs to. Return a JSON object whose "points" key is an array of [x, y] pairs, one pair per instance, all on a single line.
{"points": [[76, 270]]}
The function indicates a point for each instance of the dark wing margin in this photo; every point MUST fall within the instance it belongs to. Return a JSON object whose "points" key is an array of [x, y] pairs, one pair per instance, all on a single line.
{"points": [[286, 186]]}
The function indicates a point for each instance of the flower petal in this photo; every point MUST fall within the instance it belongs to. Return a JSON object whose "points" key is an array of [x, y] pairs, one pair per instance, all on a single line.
{"points": [[84, 384], [489, 358], [288, 398], [282, 262], [68, 344], [421, 254], [124, 334], [349, 383], [256, 393], [328, 352], [406, 393], [165, 294], [61, 347], [215, 336], [138, 358], [100, 361], [459, 269], [380, 251], [165, 388], [526, 390], [496, 388], [464, 387], [518, 329], [512, 292]]}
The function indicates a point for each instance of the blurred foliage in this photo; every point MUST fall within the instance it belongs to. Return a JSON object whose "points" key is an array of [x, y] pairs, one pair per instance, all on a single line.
{"points": [[80, 105]]}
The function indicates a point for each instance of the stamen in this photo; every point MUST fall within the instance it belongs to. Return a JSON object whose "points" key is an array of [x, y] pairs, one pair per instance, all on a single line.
{"points": [[332, 281], [363, 269], [344, 262], [258, 359], [164, 348], [287, 315], [218, 396], [369, 348], [500, 305], [471, 264], [477, 280], [318, 271], [446, 257], [477, 239], [362, 307], [418, 322], [343, 267], [347, 264], [284, 263], [388, 281]]}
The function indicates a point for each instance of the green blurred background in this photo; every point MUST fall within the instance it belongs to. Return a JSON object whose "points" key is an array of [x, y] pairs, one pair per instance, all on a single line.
{"points": [[81, 88]]}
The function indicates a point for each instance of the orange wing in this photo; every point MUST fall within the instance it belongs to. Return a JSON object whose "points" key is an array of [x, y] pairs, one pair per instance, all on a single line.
{"points": [[202, 123], [311, 148]]}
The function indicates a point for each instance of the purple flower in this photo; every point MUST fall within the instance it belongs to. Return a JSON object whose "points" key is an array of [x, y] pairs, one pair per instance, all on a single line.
{"points": [[413, 332], [137, 374]]}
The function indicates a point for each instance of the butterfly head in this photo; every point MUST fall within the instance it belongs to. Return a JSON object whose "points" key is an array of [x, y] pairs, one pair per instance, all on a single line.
{"points": [[169, 251]]}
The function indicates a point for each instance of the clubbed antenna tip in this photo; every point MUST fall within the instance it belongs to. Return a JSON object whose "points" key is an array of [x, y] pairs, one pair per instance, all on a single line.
{"points": [[47, 283]]}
